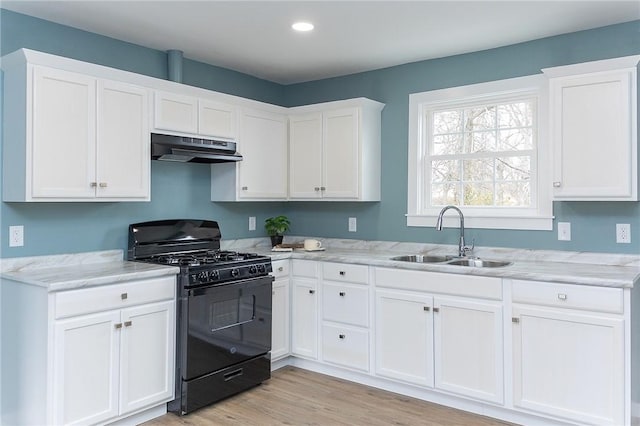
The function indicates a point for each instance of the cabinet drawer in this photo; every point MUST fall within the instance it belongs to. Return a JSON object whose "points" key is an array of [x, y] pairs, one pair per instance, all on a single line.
{"points": [[280, 268], [568, 296], [346, 346], [304, 268], [345, 303], [345, 272], [116, 296]]}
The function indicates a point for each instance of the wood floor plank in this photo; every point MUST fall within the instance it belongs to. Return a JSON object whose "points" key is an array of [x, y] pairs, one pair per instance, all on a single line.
{"points": [[299, 397]]}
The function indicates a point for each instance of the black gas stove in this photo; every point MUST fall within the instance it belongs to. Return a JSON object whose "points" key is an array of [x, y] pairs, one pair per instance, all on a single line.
{"points": [[223, 310]]}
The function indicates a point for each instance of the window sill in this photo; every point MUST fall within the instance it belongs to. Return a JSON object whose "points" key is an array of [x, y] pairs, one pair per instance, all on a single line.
{"points": [[530, 223]]}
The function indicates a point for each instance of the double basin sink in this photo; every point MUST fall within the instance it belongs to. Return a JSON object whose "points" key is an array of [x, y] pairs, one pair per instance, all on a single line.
{"points": [[452, 260]]}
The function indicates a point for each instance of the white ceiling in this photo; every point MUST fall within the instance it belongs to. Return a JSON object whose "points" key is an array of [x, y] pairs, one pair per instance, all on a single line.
{"points": [[255, 37]]}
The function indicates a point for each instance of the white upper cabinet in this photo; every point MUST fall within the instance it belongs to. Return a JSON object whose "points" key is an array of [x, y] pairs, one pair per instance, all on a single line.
{"points": [[73, 137], [182, 114], [334, 151], [594, 130], [262, 173]]}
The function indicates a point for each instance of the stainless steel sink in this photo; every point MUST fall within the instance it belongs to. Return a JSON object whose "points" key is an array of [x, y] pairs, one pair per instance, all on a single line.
{"points": [[452, 260], [479, 263], [419, 258]]}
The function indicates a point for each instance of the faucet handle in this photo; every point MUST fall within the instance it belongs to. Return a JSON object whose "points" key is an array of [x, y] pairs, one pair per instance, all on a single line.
{"points": [[466, 250]]}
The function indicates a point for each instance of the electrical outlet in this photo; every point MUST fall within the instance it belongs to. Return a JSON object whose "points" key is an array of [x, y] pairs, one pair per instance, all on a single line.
{"points": [[564, 231], [623, 233], [252, 223], [353, 226], [16, 236]]}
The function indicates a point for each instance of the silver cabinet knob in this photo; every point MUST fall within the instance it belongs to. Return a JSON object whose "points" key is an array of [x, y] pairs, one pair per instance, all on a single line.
{"points": [[342, 294], [562, 296], [127, 323], [280, 269], [317, 188], [322, 188], [93, 184], [557, 184], [102, 184], [244, 188], [312, 291], [124, 296], [426, 309]]}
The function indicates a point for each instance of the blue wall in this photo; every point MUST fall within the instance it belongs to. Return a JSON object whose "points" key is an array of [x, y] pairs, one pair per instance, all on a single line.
{"points": [[182, 190]]}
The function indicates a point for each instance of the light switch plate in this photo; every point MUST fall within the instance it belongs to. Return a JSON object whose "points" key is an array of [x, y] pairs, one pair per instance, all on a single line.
{"points": [[353, 226], [16, 236], [252, 223]]}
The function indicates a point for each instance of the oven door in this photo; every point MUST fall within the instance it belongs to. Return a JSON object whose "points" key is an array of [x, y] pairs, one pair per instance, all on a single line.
{"points": [[228, 324]]}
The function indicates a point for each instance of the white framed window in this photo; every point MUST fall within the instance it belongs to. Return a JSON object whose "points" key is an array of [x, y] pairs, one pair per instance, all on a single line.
{"points": [[483, 148]]}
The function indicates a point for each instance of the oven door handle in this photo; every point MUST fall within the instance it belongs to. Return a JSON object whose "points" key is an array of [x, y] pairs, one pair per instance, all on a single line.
{"points": [[254, 281], [233, 374]]}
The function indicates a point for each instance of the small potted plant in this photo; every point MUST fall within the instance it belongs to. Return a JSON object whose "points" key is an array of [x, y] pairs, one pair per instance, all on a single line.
{"points": [[276, 226]]}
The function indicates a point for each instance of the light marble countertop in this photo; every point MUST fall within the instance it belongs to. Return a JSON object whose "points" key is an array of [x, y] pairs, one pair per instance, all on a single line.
{"points": [[599, 269], [80, 270]]}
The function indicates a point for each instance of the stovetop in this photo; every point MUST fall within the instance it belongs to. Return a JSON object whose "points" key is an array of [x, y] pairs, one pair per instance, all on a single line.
{"points": [[208, 257]]}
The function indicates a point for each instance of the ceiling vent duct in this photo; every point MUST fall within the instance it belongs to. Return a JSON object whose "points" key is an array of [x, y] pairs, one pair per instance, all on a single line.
{"points": [[174, 65]]}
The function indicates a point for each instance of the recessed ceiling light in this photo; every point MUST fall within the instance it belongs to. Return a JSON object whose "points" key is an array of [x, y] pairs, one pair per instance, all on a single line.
{"points": [[302, 26]]}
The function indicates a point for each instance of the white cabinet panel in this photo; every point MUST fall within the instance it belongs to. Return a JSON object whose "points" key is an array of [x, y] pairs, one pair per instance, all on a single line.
{"points": [[86, 364], [404, 320], [280, 330], [346, 346], [304, 317], [175, 112], [305, 153], [468, 348], [341, 156], [569, 365], [345, 303], [594, 130], [147, 350], [64, 134], [217, 120], [123, 141]]}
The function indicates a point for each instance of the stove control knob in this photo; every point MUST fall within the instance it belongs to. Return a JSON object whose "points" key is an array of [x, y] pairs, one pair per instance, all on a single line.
{"points": [[203, 276], [262, 268], [253, 269], [235, 272], [214, 275]]}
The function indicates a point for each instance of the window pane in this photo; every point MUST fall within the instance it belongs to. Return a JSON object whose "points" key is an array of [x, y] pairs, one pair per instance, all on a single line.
{"points": [[515, 140], [478, 194], [480, 118], [447, 144], [445, 171], [481, 141], [519, 114], [513, 168], [443, 194], [513, 194], [478, 170], [447, 122]]}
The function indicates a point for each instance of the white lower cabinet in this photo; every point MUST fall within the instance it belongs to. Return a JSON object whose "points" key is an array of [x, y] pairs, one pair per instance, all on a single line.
{"points": [[569, 362], [102, 353], [304, 308], [112, 363], [280, 310]]}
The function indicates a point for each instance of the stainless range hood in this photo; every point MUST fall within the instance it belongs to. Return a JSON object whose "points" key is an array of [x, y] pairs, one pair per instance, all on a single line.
{"points": [[192, 150]]}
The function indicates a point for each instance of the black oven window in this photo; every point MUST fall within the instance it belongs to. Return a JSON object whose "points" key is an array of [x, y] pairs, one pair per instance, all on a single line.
{"points": [[231, 312]]}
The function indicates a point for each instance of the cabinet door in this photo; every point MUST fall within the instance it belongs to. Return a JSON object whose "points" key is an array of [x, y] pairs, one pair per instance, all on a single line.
{"points": [[263, 145], [64, 134], [468, 348], [305, 156], [304, 318], [341, 156], [176, 113], [404, 336], [217, 120], [123, 158], [86, 364], [148, 348], [595, 152], [569, 365], [280, 319]]}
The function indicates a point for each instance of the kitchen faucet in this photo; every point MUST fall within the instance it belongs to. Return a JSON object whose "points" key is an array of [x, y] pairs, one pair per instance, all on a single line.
{"points": [[462, 249]]}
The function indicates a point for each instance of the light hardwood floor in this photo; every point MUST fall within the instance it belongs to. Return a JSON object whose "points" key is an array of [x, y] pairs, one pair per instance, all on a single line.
{"points": [[299, 397]]}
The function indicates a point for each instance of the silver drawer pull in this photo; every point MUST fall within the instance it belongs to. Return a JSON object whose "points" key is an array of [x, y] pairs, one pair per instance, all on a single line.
{"points": [[562, 296], [341, 336], [127, 323], [93, 184], [102, 184], [426, 308], [436, 310], [124, 296], [118, 326], [280, 269], [342, 273], [342, 293]]}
